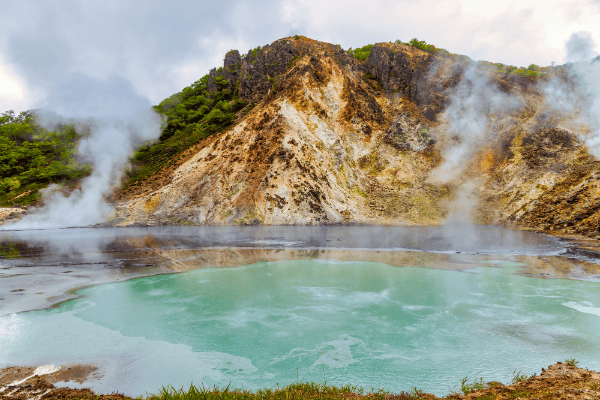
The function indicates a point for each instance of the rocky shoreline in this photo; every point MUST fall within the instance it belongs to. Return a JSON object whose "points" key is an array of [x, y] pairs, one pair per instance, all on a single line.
{"points": [[558, 381]]}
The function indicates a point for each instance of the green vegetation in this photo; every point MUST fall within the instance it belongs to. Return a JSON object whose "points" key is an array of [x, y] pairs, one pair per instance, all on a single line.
{"points": [[32, 157], [191, 115], [294, 391], [424, 134], [515, 394], [362, 53], [531, 70], [293, 61], [572, 362], [421, 44], [9, 251], [248, 108], [518, 377], [255, 51], [322, 391], [467, 387]]}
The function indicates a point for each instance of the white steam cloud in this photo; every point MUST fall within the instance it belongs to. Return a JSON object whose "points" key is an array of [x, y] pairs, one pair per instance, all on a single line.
{"points": [[472, 107], [576, 93], [119, 121], [585, 92], [477, 104]]}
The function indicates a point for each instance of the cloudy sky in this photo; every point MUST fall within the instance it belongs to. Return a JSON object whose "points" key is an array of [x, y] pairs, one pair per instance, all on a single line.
{"points": [[73, 55]]}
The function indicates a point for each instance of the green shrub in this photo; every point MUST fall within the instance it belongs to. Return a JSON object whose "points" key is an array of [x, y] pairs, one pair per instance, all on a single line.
{"points": [[32, 157], [362, 53], [572, 362], [255, 51], [467, 387], [518, 377], [191, 115], [421, 44]]}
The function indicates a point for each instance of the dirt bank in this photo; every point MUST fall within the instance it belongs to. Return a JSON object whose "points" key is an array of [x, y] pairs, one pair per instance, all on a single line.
{"points": [[11, 214], [558, 381]]}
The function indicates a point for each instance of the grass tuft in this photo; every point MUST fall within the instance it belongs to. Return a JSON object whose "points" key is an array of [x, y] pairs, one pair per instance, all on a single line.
{"points": [[474, 386], [572, 362], [308, 390]]}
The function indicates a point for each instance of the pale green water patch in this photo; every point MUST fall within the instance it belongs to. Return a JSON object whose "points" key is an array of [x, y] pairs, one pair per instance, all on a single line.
{"points": [[359, 323]]}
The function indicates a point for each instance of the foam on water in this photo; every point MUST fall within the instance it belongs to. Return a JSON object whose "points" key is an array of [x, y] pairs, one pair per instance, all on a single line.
{"points": [[584, 307], [135, 359]]}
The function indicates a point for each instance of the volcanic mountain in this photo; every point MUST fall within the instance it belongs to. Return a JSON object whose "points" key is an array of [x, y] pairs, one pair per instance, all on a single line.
{"points": [[327, 138]]}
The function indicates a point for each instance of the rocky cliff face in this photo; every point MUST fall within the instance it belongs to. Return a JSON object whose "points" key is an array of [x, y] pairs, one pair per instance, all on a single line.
{"points": [[333, 140]]}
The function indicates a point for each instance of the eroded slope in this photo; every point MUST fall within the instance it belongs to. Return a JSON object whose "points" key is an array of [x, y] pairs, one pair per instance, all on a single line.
{"points": [[332, 140]]}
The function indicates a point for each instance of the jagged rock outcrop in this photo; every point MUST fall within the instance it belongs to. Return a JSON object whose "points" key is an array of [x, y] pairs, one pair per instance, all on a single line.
{"points": [[406, 134], [211, 84], [392, 68], [231, 69]]}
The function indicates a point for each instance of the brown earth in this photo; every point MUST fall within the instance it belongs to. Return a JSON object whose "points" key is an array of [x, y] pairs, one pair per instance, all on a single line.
{"points": [[11, 214], [557, 382], [333, 140], [37, 387]]}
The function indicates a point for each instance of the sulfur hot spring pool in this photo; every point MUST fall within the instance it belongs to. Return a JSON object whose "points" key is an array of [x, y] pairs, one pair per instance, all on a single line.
{"points": [[316, 317]]}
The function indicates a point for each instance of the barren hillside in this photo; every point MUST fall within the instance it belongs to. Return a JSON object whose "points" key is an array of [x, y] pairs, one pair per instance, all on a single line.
{"points": [[329, 139]]}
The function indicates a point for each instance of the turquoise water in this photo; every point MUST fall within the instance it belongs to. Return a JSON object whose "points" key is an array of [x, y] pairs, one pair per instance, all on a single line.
{"points": [[357, 323]]}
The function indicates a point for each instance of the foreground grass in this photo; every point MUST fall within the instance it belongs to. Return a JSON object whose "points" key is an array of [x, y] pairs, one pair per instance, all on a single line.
{"points": [[308, 390], [560, 381]]}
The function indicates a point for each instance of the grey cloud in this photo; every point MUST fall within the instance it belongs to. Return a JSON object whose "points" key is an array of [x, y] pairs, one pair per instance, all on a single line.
{"points": [[162, 46], [82, 96], [141, 41], [580, 47], [93, 62], [40, 55]]}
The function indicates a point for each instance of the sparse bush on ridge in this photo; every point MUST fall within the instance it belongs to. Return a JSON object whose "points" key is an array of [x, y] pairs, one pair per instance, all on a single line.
{"points": [[361, 53], [531, 70], [429, 48]]}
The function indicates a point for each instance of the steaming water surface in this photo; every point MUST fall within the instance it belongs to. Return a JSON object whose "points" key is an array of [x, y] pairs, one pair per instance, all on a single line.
{"points": [[307, 316]]}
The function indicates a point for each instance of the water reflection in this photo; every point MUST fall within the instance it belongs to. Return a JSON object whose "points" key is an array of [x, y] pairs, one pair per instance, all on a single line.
{"points": [[40, 267]]}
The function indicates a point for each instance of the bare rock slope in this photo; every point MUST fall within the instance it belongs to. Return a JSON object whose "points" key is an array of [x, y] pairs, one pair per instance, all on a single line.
{"points": [[332, 140]]}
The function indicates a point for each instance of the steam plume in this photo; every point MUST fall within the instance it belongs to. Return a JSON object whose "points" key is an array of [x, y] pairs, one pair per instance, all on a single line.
{"points": [[119, 120], [468, 117], [585, 72]]}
